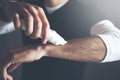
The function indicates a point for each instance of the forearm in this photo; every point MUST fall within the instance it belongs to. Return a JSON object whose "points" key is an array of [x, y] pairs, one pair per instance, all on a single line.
{"points": [[90, 49]]}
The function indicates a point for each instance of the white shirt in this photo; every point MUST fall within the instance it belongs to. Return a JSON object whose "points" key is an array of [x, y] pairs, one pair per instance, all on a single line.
{"points": [[6, 27], [53, 37], [110, 35], [53, 9], [104, 29], [9, 27]]}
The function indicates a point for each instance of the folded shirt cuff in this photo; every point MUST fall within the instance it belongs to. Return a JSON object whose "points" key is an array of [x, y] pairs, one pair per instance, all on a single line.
{"points": [[110, 35]]}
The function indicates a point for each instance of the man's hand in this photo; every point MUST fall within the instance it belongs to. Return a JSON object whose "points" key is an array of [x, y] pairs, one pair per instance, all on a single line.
{"points": [[14, 57], [34, 17], [90, 49]]}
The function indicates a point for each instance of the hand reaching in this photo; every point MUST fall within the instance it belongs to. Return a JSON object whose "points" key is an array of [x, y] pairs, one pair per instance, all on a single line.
{"points": [[34, 17]]}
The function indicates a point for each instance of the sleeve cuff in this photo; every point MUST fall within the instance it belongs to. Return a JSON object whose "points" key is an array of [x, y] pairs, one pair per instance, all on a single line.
{"points": [[6, 27], [111, 38]]}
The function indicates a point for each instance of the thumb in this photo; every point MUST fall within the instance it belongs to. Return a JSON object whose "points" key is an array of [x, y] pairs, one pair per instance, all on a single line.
{"points": [[5, 75]]}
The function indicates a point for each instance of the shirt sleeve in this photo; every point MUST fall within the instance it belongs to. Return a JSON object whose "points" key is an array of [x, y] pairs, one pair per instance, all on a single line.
{"points": [[50, 10], [110, 35], [6, 27]]}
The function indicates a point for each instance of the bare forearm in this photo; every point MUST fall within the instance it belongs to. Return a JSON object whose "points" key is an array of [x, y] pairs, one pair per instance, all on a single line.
{"points": [[90, 49]]}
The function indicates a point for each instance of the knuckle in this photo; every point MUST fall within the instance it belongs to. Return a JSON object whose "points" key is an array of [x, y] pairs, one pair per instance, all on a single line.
{"points": [[34, 11], [30, 6]]}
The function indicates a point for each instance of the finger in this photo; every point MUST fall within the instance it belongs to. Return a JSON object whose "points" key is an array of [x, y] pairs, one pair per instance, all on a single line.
{"points": [[28, 18], [5, 75], [45, 23], [37, 28], [13, 67], [45, 33], [37, 21], [9, 77], [16, 21]]}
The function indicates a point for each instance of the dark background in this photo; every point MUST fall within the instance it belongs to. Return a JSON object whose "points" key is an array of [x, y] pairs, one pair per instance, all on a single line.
{"points": [[8, 40], [94, 71]]}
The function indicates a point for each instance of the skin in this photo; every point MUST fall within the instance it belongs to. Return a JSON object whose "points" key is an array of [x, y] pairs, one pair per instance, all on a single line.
{"points": [[90, 49], [34, 17]]}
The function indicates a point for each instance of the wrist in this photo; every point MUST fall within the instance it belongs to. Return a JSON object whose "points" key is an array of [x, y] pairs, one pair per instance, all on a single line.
{"points": [[53, 50], [41, 50], [45, 49]]}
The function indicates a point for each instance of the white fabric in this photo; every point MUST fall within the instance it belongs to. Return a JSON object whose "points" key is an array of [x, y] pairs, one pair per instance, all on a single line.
{"points": [[104, 29], [9, 27], [53, 36], [6, 27], [111, 37], [53, 9]]}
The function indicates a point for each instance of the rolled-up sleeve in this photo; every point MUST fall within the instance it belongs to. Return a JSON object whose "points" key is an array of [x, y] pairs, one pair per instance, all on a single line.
{"points": [[110, 35]]}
